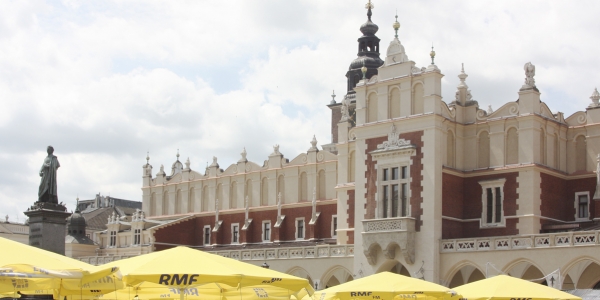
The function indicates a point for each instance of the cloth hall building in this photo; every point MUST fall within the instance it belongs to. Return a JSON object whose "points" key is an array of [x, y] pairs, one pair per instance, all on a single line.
{"points": [[440, 190]]}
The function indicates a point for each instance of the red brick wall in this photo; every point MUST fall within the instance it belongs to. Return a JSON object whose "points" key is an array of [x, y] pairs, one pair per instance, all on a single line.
{"points": [[350, 211], [553, 199], [452, 205], [191, 232], [183, 233], [581, 185], [415, 172], [416, 169], [473, 205]]}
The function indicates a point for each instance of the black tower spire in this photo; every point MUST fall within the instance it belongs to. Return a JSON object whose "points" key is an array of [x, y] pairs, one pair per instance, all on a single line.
{"points": [[368, 52]]}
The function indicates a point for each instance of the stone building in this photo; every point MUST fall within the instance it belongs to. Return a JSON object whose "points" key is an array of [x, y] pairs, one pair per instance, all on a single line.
{"points": [[445, 191]]}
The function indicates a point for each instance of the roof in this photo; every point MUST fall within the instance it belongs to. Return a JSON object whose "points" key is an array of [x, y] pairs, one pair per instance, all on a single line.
{"points": [[83, 240], [585, 294]]}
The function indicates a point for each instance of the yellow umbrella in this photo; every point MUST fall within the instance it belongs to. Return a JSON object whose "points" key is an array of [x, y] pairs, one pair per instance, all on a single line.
{"points": [[182, 268], [204, 292], [385, 286], [25, 268], [503, 287]]}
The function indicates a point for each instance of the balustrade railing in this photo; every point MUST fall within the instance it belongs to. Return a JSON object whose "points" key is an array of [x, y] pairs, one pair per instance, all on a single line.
{"points": [[389, 224], [545, 240]]}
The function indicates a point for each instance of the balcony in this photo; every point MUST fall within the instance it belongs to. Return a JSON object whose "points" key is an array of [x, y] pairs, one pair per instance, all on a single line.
{"points": [[324, 251], [388, 234], [518, 242], [308, 252]]}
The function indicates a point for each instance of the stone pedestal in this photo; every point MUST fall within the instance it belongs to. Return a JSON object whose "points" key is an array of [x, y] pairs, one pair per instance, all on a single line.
{"points": [[47, 226]]}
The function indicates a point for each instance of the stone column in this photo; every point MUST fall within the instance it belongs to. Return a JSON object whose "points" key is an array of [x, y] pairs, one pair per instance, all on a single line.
{"points": [[47, 226]]}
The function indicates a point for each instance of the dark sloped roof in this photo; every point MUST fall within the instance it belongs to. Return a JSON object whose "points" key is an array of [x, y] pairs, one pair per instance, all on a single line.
{"points": [[83, 240], [98, 218]]}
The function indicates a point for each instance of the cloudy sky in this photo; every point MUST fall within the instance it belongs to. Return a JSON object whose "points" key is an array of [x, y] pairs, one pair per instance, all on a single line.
{"points": [[106, 81]]}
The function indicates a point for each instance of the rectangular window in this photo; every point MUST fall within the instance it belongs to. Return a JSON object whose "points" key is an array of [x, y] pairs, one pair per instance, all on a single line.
{"points": [[207, 235], [492, 199], [385, 201], [582, 208], [394, 200], [235, 231], [394, 192], [299, 228], [266, 231], [136, 236], [403, 198], [490, 207], [334, 226], [498, 209], [113, 238]]}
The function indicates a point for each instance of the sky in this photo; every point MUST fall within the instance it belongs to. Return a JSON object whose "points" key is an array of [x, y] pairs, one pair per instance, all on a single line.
{"points": [[106, 82]]}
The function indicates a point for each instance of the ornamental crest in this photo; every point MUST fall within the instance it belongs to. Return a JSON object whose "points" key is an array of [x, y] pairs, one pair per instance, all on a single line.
{"points": [[394, 141]]}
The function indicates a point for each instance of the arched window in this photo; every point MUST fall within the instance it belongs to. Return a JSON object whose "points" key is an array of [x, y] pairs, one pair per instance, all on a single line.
{"points": [[191, 199], [233, 198], [542, 147], [418, 101], [580, 153], [264, 192], [178, 202], [512, 147], [483, 153], [249, 192], [450, 152], [219, 196], [394, 103], [303, 187], [153, 204], [351, 167], [165, 203], [281, 188], [205, 199], [372, 108], [321, 189]]}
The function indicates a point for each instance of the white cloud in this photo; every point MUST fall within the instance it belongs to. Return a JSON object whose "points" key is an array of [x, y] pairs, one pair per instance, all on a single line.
{"points": [[104, 82]]}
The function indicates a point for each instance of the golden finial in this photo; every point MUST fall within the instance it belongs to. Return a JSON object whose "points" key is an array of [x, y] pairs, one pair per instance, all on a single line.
{"points": [[369, 5], [396, 25]]}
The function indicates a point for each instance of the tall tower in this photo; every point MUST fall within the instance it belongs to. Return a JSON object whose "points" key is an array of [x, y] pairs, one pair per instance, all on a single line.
{"points": [[368, 53], [368, 56]]}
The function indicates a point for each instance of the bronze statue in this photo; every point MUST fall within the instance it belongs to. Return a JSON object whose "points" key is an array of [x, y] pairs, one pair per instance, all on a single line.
{"points": [[48, 189]]}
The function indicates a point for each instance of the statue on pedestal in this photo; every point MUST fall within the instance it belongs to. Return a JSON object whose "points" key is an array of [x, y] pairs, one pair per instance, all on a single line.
{"points": [[48, 188]]}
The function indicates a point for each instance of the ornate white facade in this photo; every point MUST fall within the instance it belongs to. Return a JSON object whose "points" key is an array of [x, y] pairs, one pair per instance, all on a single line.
{"points": [[445, 191]]}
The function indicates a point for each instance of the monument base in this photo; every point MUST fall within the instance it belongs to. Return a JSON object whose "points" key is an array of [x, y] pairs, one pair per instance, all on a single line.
{"points": [[47, 226]]}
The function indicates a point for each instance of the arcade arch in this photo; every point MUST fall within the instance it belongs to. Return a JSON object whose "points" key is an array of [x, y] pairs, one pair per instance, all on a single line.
{"points": [[336, 275]]}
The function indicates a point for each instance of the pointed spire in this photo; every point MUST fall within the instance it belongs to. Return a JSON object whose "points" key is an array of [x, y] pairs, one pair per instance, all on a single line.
{"points": [[369, 6], [462, 76], [77, 204], [396, 25]]}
